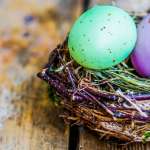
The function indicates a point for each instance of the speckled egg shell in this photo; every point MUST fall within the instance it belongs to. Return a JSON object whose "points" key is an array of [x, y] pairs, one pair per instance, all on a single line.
{"points": [[141, 55], [102, 37]]}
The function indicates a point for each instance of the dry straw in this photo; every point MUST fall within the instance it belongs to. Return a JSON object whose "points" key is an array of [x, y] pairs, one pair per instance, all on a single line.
{"points": [[114, 103]]}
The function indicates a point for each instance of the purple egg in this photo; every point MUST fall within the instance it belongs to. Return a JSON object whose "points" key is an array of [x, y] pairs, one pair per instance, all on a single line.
{"points": [[141, 55]]}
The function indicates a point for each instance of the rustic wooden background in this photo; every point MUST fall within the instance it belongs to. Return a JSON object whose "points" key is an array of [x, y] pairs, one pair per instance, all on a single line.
{"points": [[29, 120]]}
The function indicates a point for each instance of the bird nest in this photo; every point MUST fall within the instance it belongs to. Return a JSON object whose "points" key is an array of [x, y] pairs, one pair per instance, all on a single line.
{"points": [[115, 103]]}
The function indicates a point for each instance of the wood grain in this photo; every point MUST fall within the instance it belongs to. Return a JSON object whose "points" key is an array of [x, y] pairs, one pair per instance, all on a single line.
{"points": [[88, 141], [37, 126]]}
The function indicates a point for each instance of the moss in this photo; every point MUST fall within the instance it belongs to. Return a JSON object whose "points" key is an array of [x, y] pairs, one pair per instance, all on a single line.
{"points": [[52, 95]]}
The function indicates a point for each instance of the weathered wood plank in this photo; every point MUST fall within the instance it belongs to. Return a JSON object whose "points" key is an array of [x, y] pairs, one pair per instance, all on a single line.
{"points": [[88, 141], [38, 126], [35, 122]]}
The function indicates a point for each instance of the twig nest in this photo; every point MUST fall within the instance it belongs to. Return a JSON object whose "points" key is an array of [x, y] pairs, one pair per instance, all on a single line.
{"points": [[102, 37]]}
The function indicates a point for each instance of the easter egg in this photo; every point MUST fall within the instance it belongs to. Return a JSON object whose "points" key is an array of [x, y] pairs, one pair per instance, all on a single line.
{"points": [[141, 55], [102, 37]]}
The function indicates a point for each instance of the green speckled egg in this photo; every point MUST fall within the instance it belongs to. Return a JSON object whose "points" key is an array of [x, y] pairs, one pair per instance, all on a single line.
{"points": [[102, 37]]}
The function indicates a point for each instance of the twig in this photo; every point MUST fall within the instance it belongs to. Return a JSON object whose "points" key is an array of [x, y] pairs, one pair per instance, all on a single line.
{"points": [[133, 104]]}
